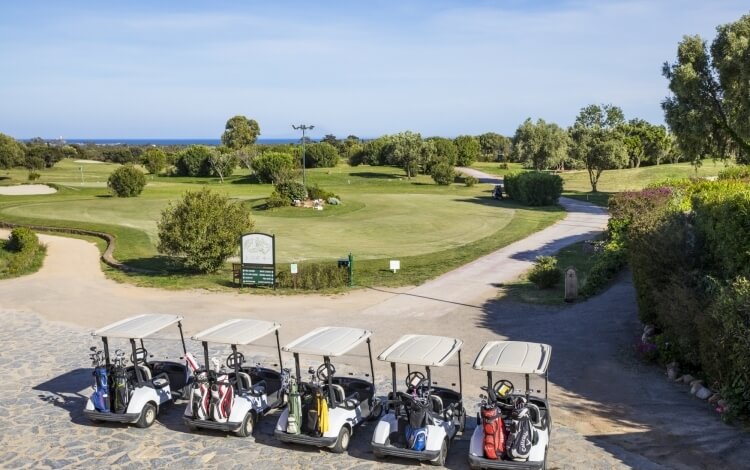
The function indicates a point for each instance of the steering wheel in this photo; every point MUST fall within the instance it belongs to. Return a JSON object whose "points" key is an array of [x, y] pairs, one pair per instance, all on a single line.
{"points": [[503, 388], [139, 356], [410, 382], [324, 371], [235, 359]]}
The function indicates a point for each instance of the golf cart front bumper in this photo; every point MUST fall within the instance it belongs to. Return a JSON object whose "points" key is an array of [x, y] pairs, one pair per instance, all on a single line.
{"points": [[304, 439], [481, 462], [386, 449], [94, 415], [213, 425]]}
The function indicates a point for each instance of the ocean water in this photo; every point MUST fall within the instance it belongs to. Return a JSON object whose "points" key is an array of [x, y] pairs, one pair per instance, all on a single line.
{"points": [[170, 141]]}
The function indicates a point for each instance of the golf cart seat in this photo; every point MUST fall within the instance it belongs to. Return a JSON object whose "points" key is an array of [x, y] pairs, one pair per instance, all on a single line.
{"points": [[244, 380], [437, 404], [176, 372], [269, 379], [337, 393]]}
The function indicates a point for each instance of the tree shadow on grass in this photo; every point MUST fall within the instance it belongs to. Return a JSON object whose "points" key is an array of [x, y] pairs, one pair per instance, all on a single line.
{"points": [[376, 175], [248, 179]]}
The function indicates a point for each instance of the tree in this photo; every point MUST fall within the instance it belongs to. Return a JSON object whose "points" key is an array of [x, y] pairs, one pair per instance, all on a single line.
{"points": [[155, 160], [330, 139], [240, 132], [468, 149], [645, 142], [709, 108], [120, 155], [321, 155], [404, 150], [598, 141], [203, 228], [445, 150], [274, 167], [443, 173], [127, 181], [493, 146], [222, 163], [540, 146], [194, 161], [246, 155], [11, 152]]}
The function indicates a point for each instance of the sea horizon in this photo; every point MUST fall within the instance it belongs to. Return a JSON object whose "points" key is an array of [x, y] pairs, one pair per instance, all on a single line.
{"points": [[167, 141]]}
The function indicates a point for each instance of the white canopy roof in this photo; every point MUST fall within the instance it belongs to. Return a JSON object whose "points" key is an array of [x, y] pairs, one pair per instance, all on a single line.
{"points": [[137, 327], [422, 350], [238, 331], [328, 341], [514, 357]]}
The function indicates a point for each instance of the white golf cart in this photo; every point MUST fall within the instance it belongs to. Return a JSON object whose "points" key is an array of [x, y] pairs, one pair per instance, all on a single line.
{"points": [[135, 393], [250, 391], [421, 422], [323, 411], [513, 358]]}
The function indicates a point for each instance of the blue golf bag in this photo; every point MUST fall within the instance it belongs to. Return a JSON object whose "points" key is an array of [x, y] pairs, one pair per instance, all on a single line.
{"points": [[100, 397]]}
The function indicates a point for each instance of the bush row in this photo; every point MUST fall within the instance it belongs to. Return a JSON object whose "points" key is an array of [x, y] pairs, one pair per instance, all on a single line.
{"points": [[534, 188], [314, 276]]}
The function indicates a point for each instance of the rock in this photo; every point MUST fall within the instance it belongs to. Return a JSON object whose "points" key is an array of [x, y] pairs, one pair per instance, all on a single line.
{"points": [[648, 330], [687, 378], [703, 393], [672, 371], [695, 385]]}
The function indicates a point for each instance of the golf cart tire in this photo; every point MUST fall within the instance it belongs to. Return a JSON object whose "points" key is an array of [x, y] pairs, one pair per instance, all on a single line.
{"points": [[342, 443], [248, 425], [191, 427], [378, 455], [148, 416], [376, 411], [442, 456]]}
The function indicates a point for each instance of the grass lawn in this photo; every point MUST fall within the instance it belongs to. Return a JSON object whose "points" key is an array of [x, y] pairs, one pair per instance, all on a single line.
{"points": [[577, 256], [430, 228], [493, 168]]}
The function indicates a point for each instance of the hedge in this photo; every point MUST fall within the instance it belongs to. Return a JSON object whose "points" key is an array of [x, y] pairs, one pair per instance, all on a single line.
{"points": [[533, 188]]}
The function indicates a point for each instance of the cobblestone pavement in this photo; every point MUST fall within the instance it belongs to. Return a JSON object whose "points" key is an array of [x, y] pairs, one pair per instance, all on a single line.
{"points": [[47, 379]]}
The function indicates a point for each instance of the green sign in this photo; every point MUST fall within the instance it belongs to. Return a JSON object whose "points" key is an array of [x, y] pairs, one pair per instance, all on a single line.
{"points": [[258, 276]]}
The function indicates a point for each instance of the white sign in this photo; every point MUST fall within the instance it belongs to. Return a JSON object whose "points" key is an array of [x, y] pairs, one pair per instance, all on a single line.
{"points": [[293, 267], [395, 265], [257, 248]]}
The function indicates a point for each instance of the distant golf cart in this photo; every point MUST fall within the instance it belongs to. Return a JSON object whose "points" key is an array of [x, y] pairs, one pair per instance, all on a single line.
{"points": [[422, 422], [134, 393], [497, 191], [233, 400], [513, 429], [323, 411]]}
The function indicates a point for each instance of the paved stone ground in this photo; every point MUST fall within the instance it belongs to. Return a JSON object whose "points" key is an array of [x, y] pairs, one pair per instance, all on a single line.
{"points": [[48, 378]]}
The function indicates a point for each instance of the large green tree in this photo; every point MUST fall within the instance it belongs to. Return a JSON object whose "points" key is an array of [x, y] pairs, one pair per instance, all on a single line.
{"points": [[709, 109], [645, 142], [11, 152], [494, 146], [598, 141], [404, 150], [540, 145], [468, 148], [240, 132]]}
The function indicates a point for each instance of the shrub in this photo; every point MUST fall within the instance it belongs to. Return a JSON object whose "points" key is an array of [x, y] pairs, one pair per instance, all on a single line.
{"points": [[273, 167], [470, 181], [194, 161], [740, 172], [534, 188], [605, 267], [315, 192], [545, 273], [203, 228], [321, 155], [127, 181], [503, 166], [122, 155], [22, 239], [315, 276], [443, 174], [33, 176], [277, 200], [292, 190], [334, 201], [155, 160]]}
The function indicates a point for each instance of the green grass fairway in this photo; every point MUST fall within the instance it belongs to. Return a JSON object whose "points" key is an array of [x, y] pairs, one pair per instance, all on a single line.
{"points": [[383, 216], [493, 168]]}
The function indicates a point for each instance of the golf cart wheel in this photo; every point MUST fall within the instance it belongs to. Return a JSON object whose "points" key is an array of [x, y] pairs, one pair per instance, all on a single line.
{"points": [[248, 425], [377, 454], [342, 443], [376, 411], [148, 416], [440, 460], [191, 427]]}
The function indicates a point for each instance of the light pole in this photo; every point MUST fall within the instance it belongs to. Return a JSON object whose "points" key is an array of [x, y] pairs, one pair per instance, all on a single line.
{"points": [[303, 128]]}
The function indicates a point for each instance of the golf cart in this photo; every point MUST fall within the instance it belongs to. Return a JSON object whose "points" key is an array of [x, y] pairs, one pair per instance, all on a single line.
{"points": [[233, 400], [421, 422], [513, 427], [134, 393], [323, 411]]}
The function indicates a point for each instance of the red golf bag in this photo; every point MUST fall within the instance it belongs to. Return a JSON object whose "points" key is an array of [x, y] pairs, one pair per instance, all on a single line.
{"points": [[494, 433]]}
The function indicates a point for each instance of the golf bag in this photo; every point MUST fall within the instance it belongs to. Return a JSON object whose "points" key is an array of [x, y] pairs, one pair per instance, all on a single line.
{"points": [[295, 409], [494, 432], [222, 398], [416, 438], [200, 393], [120, 389], [100, 397], [522, 434], [416, 430]]}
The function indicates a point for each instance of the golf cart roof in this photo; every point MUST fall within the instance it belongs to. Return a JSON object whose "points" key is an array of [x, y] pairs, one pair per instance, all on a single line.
{"points": [[422, 350], [138, 327], [514, 357], [237, 331], [328, 341]]}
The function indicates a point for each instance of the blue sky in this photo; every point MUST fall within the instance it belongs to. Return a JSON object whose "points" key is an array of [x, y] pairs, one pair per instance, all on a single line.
{"points": [[179, 69]]}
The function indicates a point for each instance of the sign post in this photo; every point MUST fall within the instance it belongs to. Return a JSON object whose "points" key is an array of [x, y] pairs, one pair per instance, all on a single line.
{"points": [[258, 258]]}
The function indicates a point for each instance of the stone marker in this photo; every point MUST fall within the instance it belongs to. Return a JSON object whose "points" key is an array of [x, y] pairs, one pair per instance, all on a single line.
{"points": [[571, 285]]}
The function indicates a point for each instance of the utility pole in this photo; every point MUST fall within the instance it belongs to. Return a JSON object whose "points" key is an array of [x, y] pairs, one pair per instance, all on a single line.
{"points": [[303, 128]]}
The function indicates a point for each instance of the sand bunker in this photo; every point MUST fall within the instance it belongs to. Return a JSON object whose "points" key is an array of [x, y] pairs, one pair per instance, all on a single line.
{"points": [[26, 189], [87, 161]]}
